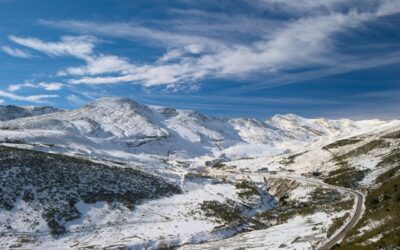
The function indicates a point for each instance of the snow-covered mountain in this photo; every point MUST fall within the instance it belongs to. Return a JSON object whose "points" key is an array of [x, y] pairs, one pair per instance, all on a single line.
{"points": [[120, 128], [10, 112], [139, 176], [300, 127]]}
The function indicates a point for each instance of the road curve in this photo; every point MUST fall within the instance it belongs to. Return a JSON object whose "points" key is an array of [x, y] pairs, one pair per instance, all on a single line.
{"points": [[359, 199], [356, 216], [339, 235]]}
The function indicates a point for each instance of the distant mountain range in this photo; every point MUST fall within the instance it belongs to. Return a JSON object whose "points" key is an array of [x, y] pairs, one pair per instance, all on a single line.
{"points": [[115, 173], [121, 128], [11, 112]]}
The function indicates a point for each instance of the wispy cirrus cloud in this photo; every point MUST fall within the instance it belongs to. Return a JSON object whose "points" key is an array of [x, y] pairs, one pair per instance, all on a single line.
{"points": [[130, 31], [303, 45], [29, 98], [51, 86], [77, 46], [16, 52], [101, 64]]}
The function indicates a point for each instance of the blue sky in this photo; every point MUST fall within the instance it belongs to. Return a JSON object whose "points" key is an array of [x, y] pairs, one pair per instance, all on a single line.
{"points": [[331, 58]]}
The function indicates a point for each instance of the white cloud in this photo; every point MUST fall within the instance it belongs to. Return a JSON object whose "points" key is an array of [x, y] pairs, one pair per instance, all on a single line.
{"points": [[30, 98], [16, 87], [132, 31], [174, 88], [319, 7], [2, 101], [388, 7], [16, 52], [308, 5], [305, 41], [176, 54], [77, 46], [148, 75], [99, 65], [171, 55], [52, 86]]}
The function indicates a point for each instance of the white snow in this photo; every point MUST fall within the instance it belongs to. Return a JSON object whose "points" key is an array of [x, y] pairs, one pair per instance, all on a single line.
{"points": [[169, 142], [296, 233], [123, 130]]}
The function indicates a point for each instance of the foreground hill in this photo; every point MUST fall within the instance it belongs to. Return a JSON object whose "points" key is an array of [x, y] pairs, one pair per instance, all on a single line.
{"points": [[52, 185]]}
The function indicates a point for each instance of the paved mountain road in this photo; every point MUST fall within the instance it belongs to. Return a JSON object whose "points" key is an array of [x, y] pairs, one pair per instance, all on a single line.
{"points": [[338, 236], [356, 216]]}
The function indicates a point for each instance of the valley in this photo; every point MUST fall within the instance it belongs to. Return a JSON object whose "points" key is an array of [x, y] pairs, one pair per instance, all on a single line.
{"points": [[118, 174]]}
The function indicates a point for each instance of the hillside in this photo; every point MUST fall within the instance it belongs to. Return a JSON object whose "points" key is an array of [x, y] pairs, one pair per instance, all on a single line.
{"points": [[10, 112], [369, 163], [116, 173], [121, 129], [52, 185]]}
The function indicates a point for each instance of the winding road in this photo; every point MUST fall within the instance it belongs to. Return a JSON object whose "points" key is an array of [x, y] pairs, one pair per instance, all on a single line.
{"points": [[339, 235], [357, 211], [334, 239]]}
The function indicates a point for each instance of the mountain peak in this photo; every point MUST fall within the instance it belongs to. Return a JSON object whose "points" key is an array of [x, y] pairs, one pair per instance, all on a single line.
{"points": [[287, 119], [113, 100], [288, 116], [120, 105]]}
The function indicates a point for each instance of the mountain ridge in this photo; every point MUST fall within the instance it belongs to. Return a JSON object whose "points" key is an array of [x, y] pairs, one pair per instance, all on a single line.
{"points": [[116, 169], [123, 125], [10, 112]]}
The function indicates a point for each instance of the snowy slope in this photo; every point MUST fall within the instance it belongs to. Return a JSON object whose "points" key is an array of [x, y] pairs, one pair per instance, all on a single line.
{"points": [[51, 201], [303, 128], [10, 112], [127, 141], [118, 128], [363, 152]]}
